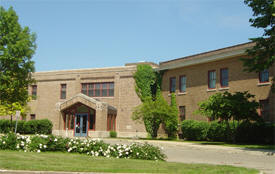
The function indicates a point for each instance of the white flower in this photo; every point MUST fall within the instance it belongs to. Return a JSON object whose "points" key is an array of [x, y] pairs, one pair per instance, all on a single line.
{"points": [[55, 140], [137, 153], [38, 151], [45, 146], [4, 142]]}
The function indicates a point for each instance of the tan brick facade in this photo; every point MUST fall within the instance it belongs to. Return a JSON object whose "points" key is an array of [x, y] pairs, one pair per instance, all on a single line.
{"points": [[48, 102], [196, 74], [195, 68]]}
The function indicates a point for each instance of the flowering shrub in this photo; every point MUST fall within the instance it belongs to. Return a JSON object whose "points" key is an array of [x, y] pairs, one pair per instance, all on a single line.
{"points": [[94, 147]]}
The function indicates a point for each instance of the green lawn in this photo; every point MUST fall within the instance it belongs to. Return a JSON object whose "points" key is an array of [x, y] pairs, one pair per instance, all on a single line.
{"points": [[57, 161]]}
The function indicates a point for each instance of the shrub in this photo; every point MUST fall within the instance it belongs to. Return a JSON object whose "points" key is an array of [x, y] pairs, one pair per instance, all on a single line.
{"points": [[44, 126], [8, 141], [94, 147], [4, 126], [194, 130], [216, 131], [113, 134], [258, 132], [27, 127]]}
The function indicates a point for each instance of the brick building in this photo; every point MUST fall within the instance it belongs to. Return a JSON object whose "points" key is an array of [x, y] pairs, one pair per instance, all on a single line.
{"points": [[195, 78], [91, 102]]}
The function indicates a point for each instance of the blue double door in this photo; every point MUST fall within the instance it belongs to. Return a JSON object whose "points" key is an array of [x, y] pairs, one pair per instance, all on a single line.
{"points": [[81, 125]]}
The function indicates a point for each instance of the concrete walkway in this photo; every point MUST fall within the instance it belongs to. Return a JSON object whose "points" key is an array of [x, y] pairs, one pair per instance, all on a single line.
{"points": [[263, 160]]}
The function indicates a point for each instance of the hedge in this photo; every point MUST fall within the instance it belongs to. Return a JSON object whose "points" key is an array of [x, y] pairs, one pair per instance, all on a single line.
{"points": [[194, 130], [245, 132], [43, 126], [93, 147]]}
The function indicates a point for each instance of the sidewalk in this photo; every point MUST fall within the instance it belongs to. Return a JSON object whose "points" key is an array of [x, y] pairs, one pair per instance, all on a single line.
{"points": [[162, 143]]}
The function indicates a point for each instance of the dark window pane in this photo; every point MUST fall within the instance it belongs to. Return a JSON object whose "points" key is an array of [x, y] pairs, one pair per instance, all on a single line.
{"points": [[264, 76], [172, 84], [182, 84], [104, 89], [91, 90], [84, 89], [32, 116], [182, 112], [34, 92], [212, 79], [224, 77], [63, 91], [92, 121], [111, 89], [71, 122], [97, 89], [264, 109]]}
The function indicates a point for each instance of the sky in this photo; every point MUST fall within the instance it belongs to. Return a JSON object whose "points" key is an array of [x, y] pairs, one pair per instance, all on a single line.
{"points": [[74, 34]]}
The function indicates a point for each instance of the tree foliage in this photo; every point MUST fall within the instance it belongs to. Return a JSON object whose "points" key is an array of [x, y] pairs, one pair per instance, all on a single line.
{"points": [[226, 106], [17, 46], [145, 78], [154, 109], [171, 120], [152, 113], [262, 55]]}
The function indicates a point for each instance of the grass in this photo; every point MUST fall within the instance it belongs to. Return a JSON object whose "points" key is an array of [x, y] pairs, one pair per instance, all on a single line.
{"points": [[58, 161]]}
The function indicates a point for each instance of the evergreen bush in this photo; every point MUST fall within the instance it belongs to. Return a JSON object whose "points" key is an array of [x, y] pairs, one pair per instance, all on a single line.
{"points": [[113, 134], [27, 127], [194, 130]]}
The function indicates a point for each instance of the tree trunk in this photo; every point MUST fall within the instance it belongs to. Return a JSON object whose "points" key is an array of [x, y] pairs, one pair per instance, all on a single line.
{"points": [[11, 124]]}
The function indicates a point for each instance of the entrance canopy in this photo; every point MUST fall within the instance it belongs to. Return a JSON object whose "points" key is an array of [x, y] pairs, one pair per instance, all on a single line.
{"points": [[81, 99]]}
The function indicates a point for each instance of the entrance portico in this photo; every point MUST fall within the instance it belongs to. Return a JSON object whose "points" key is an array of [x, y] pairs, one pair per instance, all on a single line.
{"points": [[84, 116]]}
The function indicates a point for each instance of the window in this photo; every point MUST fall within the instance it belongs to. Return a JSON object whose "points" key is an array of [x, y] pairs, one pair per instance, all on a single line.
{"points": [[69, 121], [224, 77], [212, 79], [111, 122], [172, 84], [182, 113], [98, 89], [182, 83], [34, 92], [63, 91], [92, 120], [32, 116], [264, 76], [264, 109]]}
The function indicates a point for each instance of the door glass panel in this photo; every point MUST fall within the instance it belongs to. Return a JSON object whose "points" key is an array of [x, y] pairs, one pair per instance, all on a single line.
{"points": [[77, 124], [84, 124]]}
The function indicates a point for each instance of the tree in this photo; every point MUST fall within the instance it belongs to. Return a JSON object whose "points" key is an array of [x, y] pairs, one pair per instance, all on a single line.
{"points": [[171, 120], [17, 46], [154, 110], [262, 55], [152, 113], [239, 106], [145, 78]]}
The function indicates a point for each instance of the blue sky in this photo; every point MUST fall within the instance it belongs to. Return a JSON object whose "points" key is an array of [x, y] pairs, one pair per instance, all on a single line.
{"points": [[73, 34]]}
